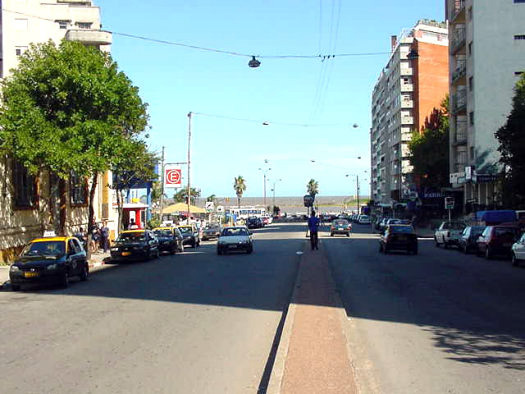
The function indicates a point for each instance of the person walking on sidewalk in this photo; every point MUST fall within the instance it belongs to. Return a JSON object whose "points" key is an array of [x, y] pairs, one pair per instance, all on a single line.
{"points": [[313, 227], [104, 236]]}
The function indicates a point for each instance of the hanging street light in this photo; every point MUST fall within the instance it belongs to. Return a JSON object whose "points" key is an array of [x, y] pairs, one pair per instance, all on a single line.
{"points": [[254, 63]]}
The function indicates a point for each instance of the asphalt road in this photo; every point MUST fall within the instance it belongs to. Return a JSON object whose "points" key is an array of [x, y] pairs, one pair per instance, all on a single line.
{"points": [[189, 323], [439, 322]]}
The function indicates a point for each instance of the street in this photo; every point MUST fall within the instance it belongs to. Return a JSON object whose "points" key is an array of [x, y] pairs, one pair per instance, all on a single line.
{"points": [[437, 322], [202, 323], [189, 323]]}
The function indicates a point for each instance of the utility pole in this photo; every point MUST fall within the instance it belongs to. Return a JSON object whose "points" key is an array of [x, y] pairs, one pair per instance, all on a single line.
{"points": [[162, 185], [265, 190], [357, 190], [189, 166]]}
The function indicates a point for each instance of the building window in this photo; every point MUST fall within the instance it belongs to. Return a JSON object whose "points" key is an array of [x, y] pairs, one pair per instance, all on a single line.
{"points": [[471, 84], [518, 73], [84, 25], [78, 190], [470, 48], [63, 24], [25, 196], [471, 118], [20, 50], [519, 37]]}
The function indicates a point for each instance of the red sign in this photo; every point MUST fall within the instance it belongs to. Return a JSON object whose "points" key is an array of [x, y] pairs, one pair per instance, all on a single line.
{"points": [[172, 176]]}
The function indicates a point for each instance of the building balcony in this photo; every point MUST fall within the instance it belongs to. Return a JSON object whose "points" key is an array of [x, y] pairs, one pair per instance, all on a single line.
{"points": [[459, 73], [89, 37], [459, 102], [458, 42], [457, 11], [406, 71], [407, 104], [407, 87], [407, 120]]}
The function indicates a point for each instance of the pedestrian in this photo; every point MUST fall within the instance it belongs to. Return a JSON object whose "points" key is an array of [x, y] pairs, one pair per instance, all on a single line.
{"points": [[133, 225], [95, 237], [104, 236], [81, 237], [313, 226]]}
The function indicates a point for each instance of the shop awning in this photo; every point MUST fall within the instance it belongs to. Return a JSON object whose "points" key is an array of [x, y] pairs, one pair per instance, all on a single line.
{"points": [[182, 208]]}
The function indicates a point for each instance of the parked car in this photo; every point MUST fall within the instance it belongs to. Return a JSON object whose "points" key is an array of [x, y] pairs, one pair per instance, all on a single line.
{"points": [[398, 237], [170, 239], [340, 226], [497, 240], [49, 261], [468, 240], [135, 245], [518, 251], [449, 233], [363, 219], [265, 220], [254, 222], [387, 222], [234, 239], [190, 235], [212, 231]]}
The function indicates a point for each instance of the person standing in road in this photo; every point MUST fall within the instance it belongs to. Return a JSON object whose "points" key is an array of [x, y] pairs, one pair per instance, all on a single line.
{"points": [[313, 226], [104, 236]]}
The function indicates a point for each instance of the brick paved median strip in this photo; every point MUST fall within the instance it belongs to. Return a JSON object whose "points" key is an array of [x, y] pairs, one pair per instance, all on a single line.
{"points": [[316, 360]]}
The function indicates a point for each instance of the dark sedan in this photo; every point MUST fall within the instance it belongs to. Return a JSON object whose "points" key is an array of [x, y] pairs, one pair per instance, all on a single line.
{"points": [[497, 240], [254, 222], [340, 226], [211, 232], [468, 240], [190, 235], [398, 237], [49, 261], [135, 245], [170, 239]]}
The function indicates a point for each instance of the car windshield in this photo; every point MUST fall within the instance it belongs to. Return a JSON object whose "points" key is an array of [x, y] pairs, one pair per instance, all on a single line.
{"points": [[132, 237], [232, 232], [340, 222], [453, 226], [394, 221], [212, 228], [185, 230], [402, 229], [47, 248], [506, 233], [163, 233]]}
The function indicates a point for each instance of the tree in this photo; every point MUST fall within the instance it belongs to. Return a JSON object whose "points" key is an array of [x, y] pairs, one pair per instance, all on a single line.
{"points": [[429, 150], [511, 137], [182, 195], [312, 188], [68, 110], [211, 198], [239, 185]]}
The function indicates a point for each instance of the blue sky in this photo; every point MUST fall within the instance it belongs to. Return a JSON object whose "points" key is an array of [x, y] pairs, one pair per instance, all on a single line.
{"points": [[330, 96]]}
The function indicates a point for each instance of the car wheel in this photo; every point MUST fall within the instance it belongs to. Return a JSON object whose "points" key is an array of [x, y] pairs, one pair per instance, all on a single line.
{"points": [[194, 245], [488, 253], [219, 252], [331, 234], [515, 261], [436, 242], [445, 244], [249, 250], [85, 272], [15, 287]]}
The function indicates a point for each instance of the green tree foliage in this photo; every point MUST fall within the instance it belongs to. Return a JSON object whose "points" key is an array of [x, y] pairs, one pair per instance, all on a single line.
{"points": [[511, 138], [67, 109], [211, 198], [182, 195], [312, 187], [429, 150], [239, 185]]}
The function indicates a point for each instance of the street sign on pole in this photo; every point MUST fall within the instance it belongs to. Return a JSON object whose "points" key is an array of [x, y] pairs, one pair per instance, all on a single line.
{"points": [[449, 202], [172, 176], [210, 206], [308, 200]]}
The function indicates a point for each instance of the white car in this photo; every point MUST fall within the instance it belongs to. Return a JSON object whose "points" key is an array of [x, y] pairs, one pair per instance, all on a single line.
{"points": [[449, 233], [363, 219], [234, 239], [518, 251]]}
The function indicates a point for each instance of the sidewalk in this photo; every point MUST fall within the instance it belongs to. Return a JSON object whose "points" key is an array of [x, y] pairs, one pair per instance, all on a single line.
{"points": [[424, 232], [312, 356]]}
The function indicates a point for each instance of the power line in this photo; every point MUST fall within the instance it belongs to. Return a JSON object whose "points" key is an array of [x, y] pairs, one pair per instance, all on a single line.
{"points": [[216, 50]]}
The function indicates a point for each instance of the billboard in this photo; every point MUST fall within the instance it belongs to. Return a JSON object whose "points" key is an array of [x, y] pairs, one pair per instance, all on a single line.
{"points": [[172, 176]]}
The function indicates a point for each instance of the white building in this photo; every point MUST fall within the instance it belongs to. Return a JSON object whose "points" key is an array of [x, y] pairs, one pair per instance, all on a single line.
{"points": [[407, 90], [28, 204], [487, 55]]}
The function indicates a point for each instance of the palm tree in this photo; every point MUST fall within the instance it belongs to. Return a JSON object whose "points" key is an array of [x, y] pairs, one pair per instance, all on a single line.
{"points": [[239, 186], [312, 187], [211, 198]]}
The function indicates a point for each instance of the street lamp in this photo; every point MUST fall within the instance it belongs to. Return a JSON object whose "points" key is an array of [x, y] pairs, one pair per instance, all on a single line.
{"points": [[265, 171], [273, 190], [357, 189]]}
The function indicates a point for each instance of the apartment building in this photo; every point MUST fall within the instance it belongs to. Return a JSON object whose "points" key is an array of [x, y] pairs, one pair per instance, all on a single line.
{"points": [[487, 56], [28, 204], [410, 86]]}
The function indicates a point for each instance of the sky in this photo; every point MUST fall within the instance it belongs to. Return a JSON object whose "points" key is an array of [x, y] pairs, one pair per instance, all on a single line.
{"points": [[316, 112]]}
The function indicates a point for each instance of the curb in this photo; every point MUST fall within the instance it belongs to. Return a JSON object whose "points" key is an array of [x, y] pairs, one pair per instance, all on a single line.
{"points": [[277, 374]]}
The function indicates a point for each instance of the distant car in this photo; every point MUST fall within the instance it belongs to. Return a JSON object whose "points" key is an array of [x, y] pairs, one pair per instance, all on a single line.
{"points": [[49, 261], [254, 222], [518, 251], [170, 239], [467, 240], [340, 226], [388, 221], [234, 239], [497, 240], [265, 220], [211, 232], [364, 219], [398, 237], [448, 233], [190, 235], [135, 245]]}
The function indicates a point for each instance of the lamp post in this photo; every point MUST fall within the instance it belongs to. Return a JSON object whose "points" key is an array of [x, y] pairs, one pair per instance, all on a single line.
{"points": [[189, 166], [265, 171], [357, 189], [273, 190]]}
